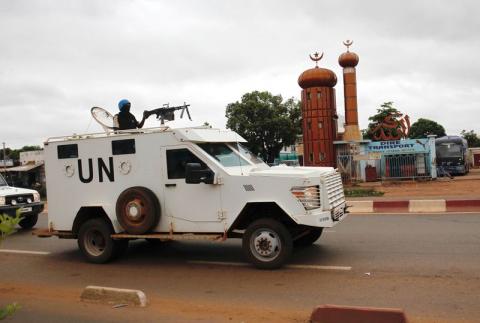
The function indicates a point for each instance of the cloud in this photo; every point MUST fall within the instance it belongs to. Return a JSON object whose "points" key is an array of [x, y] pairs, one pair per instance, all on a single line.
{"points": [[59, 58]]}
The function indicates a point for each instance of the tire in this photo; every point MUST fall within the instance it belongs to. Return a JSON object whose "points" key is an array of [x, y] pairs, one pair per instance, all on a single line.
{"points": [[138, 210], [309, 238], [29, 221], [96, 244], [267, 244]]}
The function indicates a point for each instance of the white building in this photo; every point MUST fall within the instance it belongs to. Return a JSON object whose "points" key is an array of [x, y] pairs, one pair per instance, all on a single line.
{"points": [[35, 157]]}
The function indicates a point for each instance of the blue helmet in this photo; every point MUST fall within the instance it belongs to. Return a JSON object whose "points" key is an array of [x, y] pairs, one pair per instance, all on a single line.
{"points": [[123, 103]]}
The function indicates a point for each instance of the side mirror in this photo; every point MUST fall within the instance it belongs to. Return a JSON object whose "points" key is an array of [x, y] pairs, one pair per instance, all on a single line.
{"points": [[194, 174]]}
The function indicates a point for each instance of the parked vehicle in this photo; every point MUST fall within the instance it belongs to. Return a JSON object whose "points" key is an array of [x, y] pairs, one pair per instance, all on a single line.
{"points": [[452, 155], [190, 183], [13, 199]]}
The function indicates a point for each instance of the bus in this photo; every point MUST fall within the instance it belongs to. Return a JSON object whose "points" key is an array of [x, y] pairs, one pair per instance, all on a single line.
{"points": [[451, 153]]}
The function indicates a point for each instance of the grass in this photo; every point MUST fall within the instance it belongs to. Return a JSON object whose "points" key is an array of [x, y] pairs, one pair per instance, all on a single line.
{"points": [[362, 192]]}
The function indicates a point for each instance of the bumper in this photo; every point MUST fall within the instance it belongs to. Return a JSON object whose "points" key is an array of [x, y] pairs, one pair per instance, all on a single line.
{"points": [[25, 209], [323, 219], [451, 169]]}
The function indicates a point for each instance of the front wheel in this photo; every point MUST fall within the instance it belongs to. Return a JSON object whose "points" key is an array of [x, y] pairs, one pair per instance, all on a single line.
{"points": [[96, 244], [267, 244], [29, 221]]}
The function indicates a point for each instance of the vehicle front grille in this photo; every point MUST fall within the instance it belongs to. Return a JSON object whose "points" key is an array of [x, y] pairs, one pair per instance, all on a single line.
{"points": [[19, 199], [336, 196]]}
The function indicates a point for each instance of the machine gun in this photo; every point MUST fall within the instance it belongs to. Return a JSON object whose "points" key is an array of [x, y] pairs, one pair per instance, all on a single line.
{"points": [[167, 112]]}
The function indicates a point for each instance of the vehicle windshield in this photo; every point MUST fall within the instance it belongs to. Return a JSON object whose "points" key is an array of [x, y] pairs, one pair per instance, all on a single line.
{"points": [[2, 181], [247, 153], [223, 154], [449, 150]]}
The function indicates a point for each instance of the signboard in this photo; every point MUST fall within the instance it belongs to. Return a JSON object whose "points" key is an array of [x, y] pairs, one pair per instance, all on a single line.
{"points": [[369, 156], [374, 156], [407, 146], [6, 163], [361, 157]]}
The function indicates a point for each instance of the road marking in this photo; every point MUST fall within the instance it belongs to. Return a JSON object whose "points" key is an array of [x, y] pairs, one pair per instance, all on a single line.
{"points": [[318, 267], [244, 264], [220, 263], [26, 252], [330, 231]]}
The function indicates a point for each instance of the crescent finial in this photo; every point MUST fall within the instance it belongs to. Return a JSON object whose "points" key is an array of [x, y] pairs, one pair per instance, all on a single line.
{"points": [[316, 57], [348, 43]]}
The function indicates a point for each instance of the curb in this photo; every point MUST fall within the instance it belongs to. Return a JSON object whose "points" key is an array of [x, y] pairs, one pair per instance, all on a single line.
{"points": [[111, 295], [414, 206], [354, 314]]}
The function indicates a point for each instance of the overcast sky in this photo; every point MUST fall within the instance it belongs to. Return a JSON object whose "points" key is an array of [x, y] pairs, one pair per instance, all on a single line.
{"points": [[60, 58]]}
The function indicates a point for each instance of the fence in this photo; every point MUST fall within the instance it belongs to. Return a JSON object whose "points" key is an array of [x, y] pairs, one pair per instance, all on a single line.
{"points": [[349, 168], [400, 166]]}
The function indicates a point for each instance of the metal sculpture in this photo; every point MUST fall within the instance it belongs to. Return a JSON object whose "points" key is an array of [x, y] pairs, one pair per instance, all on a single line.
{"points": [[348, 43], [316, 57], [393, 127]]}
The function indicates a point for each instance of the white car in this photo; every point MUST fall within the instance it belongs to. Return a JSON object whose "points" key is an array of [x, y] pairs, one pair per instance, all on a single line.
{"points": [[25, 200]]}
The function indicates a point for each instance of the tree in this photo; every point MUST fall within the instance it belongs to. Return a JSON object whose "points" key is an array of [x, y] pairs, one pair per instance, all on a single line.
{"points": [[266, 122], [471, 137], [386, 121], [424, 127]]}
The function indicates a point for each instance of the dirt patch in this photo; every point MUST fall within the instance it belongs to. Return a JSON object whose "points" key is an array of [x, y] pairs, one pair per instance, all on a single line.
{"points": [[46, 301], [467, 187]]}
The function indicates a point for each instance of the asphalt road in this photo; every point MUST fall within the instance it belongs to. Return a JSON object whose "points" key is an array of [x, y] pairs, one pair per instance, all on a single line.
{"points": [[428, 265]]}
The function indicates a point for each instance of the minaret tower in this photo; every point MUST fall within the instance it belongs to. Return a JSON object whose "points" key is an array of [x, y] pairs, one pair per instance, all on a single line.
{"points": [[348, 61], [319, 115]]}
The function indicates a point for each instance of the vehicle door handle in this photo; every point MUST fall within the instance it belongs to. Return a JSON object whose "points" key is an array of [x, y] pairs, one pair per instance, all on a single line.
{"points": [[170, 185]]}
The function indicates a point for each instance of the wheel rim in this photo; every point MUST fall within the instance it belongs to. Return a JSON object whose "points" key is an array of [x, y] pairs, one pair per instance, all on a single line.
{"points": [[95, 242], [265, 244], [135, 211]]}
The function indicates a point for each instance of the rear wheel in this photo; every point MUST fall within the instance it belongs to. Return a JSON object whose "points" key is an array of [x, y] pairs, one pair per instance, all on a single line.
{"points": [[308, 238], [96, 244], [267, 244], [29, 221]]}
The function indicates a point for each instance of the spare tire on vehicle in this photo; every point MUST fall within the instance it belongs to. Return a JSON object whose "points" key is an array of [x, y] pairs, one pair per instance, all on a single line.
{"points": [[138, 210]]}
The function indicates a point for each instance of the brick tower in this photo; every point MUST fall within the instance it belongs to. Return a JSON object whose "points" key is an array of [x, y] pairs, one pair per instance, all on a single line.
{"points": [[319, 115], [348, 61]]}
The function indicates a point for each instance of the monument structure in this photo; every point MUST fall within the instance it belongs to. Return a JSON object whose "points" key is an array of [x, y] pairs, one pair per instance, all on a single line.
{"points": [[348, 61], [388, 156], [319, 115]]}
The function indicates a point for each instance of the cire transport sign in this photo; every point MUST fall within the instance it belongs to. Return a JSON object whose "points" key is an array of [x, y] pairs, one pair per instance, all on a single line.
{"points": [[407, 146]]}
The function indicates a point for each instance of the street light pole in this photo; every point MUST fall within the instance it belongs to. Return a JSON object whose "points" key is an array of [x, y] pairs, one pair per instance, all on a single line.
{"points": [[4, 161]]}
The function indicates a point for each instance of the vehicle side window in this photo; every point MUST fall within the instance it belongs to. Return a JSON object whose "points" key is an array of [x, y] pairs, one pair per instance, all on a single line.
{"points": [[67, 151], [176, 161], [123, 147]]}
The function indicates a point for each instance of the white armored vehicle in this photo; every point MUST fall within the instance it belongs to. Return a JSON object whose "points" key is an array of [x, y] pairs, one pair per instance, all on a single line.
{"points": [[192, 183]]}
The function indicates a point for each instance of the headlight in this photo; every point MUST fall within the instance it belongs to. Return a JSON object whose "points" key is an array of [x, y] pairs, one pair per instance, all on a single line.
{"points": [[2, 200], [36, 197], [309, 196]]}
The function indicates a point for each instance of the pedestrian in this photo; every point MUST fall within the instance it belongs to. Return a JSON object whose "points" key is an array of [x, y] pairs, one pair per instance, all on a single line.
{"points": [[124, 120]]}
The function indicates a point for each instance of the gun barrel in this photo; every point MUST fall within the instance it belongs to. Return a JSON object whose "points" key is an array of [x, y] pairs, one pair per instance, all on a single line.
{"points": [[162, 112]]}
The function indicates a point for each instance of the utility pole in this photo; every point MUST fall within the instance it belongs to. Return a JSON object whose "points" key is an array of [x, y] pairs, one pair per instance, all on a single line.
{"points": [[4, 161]]}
